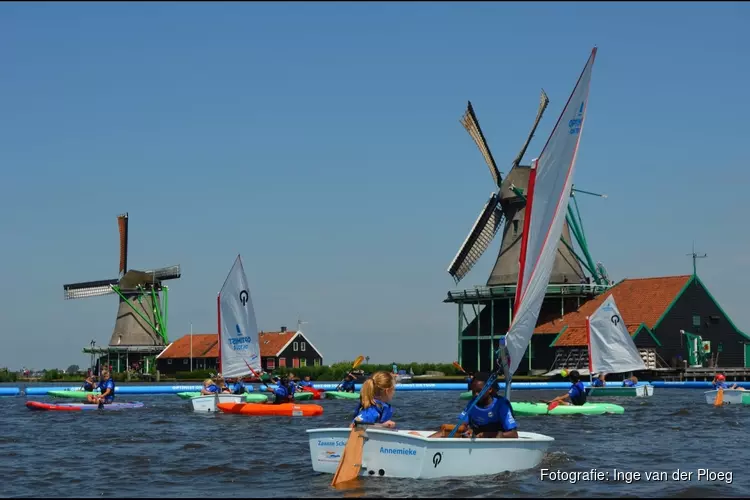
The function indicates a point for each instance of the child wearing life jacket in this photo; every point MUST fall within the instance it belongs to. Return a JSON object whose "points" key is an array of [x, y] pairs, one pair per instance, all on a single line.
{"points": [[599, 381], [209, 387], [348, 384], [284, 392], [106, 388], [576, 395], [630, 382], [375, 401], [491, 416], [720, 382]]}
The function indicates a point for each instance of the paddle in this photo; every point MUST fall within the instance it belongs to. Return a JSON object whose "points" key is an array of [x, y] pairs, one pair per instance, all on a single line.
{"points": [[351, 459], [356, 363], [459, 367], [719, 397]]}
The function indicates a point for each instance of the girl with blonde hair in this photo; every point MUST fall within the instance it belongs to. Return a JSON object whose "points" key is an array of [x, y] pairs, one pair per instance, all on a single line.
{"points": [[375, 401]]}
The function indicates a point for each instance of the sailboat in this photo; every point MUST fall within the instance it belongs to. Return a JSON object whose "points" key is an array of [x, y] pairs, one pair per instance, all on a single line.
{"points": [[413, 454], [239, 348], [612, 350]]}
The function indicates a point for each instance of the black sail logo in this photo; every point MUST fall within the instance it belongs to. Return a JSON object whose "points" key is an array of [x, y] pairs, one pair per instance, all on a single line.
{"points": [[615, 319], [244, 297]]}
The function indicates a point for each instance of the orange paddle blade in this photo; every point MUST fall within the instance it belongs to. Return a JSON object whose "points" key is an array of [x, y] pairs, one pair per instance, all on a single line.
{"points": [[459, 367], [719, 397], [351, 459], [358, 362]]}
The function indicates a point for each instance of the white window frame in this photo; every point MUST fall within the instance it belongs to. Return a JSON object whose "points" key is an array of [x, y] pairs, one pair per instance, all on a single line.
{"points": [[296, 346], [302, 346]]}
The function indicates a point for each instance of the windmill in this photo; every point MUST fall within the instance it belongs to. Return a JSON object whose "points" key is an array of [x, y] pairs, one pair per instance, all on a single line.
{"points": [[507, 204], [142, 315]]}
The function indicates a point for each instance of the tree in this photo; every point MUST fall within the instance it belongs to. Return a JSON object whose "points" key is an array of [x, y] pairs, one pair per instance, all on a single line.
{"points": [[73, 369]]}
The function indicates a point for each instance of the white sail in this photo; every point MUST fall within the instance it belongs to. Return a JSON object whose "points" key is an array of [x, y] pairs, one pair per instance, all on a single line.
{"points": [[238, 334], [611, 348], [550, 184]]}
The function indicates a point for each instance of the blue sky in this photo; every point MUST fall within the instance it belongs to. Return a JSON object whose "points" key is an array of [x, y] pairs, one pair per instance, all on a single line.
{"points": [[322, 142]]}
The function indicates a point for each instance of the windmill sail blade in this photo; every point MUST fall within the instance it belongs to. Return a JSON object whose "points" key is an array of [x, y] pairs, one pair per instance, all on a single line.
{"points": [[165, 273], [611, 348], [543, 102], [481, 235], [471, 124], [89, 289], [122, 225]]}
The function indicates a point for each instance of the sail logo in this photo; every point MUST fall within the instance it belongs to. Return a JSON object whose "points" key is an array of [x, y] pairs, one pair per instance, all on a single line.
{"points": [[244, 297], [615, 319], [239, 331], [574, 125]]}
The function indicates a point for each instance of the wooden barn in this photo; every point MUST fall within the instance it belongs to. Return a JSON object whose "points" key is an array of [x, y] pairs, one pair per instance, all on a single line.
{"points": [[277, 349], [662, 314]]}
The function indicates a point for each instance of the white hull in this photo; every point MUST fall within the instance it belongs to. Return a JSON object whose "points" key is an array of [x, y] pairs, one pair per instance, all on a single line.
{"points": [[400, 454], [208, 403], [731, 396], [640, 391]]}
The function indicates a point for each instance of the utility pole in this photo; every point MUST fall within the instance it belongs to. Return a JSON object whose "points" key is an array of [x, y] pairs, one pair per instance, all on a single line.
{"points": [[696, 256]]}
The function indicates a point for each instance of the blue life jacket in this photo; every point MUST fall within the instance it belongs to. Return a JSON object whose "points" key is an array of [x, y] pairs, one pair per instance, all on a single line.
{"points": [[292, 388], [283, 394], [107, 384], [88, 386], [577, 394], [597, 383], [378, 413], [721, 385], [238, 388], [213, 388], [348, 386], [305, 383], [628, 383], [497, 417]]}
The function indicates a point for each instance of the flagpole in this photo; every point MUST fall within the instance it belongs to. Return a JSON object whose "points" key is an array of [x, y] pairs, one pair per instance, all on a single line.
{"points": [[191, 346]]}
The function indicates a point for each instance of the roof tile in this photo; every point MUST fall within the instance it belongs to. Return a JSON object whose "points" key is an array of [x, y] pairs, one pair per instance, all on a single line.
{"points": [[640, 300], [205, 345]]}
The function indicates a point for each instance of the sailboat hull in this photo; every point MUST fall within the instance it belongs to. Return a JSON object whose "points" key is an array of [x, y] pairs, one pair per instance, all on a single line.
{"points": [[412, 454], [640, 391], [731, 397], [209, 403]]}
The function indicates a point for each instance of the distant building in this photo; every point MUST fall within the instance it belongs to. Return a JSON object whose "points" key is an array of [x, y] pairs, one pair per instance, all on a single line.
{"points": [[283, 348], [656, 311]]}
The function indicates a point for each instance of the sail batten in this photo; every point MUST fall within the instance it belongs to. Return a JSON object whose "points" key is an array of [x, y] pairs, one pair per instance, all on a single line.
{"points": [[611, 348], [547, 204], [238, 328]]}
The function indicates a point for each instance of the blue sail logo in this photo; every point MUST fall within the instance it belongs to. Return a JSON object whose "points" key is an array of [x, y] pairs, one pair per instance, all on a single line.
{"points": [[574, 125]]}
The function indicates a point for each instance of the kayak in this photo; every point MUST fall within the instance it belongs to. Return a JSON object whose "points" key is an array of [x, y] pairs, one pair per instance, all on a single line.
{"points": [[280, 410], [303, 396], [466, 395], [38, 405], [523, 408], [317, 393], [250, 397], [342, 395], [72, 394]]}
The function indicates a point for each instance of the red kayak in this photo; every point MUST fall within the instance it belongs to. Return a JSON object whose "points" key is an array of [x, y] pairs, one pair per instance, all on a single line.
{"points": [[317, 393]]}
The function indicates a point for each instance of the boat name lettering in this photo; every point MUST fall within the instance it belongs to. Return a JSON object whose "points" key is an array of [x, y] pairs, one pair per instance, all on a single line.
{"points": [[240, 340], [397, 451], [331, 443]]}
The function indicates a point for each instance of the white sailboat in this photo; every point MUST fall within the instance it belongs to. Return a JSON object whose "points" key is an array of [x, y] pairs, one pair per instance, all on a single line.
{"points": [[412, 454], [239, 347], [612, 350]]}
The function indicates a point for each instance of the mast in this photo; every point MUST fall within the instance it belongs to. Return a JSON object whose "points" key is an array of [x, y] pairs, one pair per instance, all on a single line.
{"points": [[588, 341], [218, 322]]}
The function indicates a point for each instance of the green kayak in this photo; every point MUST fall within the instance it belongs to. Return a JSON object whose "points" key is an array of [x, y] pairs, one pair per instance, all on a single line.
{"points": [[303, 396], [72, 394], [341, 395], [250, 397], [520, 408], [466, 395]]}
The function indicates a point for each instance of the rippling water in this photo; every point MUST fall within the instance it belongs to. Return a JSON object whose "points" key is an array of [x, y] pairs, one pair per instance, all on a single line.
{"points": [[166, 450]]}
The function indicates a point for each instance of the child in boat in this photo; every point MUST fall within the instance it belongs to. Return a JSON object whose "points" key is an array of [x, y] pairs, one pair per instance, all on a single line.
{"points": [[630, 382], [576, 395], [283, 392], [348, 384], [720, 382], [88, 384], [293, 382], [375, 401], [209, 387], [106, 388], [599, 381], [491, 416], [306, 382]]}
